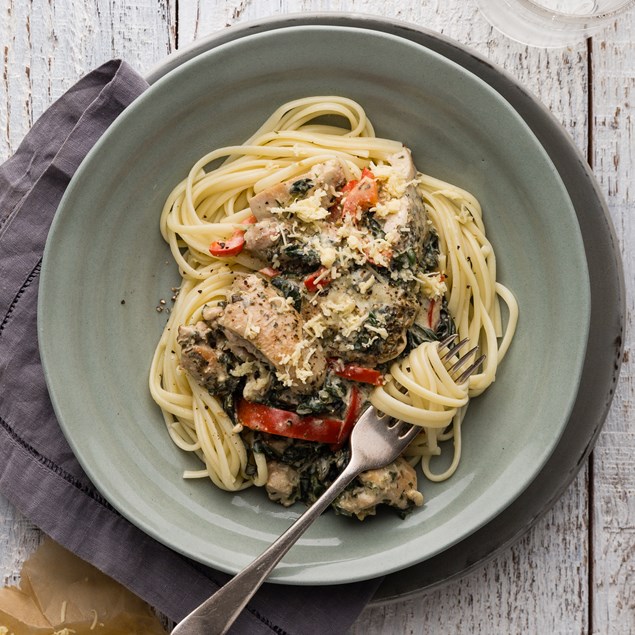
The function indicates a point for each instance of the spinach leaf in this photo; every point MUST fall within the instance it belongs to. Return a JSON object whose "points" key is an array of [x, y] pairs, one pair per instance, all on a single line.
{"points": [[289, 289], [417, 335], [431, 252], [299, 257], [300, 187], [330, 399], [374, 226]]}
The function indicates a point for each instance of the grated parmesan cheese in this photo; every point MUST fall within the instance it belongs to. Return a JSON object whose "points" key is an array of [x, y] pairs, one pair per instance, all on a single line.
{"points": [[393, 181], [365, 286], [244, 369], [307, 209], [393, 236], [284, 378], [328, 256], [281, 305], [298, 362], [433, 284], [380, 330], [251, 330], [352, 323], [339, 304], [386, 208], [315, 326]]}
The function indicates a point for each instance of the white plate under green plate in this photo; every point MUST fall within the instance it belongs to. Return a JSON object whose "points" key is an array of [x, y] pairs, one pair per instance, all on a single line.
{"points": [[106, 268]]}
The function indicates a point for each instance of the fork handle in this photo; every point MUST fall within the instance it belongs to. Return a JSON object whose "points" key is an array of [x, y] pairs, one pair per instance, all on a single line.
{"points": [[218, 613]]}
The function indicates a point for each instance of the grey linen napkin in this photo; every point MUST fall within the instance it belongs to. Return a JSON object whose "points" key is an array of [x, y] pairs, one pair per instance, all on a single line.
{"points": [[38, 471]]}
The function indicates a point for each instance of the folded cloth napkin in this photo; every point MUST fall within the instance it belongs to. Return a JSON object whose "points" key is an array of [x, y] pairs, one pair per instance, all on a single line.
{"points": [[38, 471]]}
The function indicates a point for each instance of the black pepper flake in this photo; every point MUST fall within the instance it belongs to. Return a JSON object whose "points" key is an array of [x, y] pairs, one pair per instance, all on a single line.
{"points": [[123, 302]]}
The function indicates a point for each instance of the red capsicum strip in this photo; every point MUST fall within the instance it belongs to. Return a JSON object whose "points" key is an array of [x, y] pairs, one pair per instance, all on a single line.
{"points": [[233, 245], [350, 419], [362, 194], [285, 423], [360, 373], [431, 312], [312, 283], [230, 247]]}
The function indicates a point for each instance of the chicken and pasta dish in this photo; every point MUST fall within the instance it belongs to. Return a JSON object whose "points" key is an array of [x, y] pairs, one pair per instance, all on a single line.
{"points": [[320, 269]]}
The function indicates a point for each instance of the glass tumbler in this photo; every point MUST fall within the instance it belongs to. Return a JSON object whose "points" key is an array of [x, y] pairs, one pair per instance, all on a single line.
{"points": [[551, 23]]}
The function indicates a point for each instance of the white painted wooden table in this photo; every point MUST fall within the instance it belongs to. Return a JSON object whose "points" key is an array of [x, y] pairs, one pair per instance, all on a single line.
{"points": [[575, 571]]}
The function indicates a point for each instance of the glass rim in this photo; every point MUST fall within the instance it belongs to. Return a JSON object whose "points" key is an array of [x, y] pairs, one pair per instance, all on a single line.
{"points": [[550, 14]]}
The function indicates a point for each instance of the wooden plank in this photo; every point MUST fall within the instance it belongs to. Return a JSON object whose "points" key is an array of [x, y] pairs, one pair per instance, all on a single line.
{"points": [[18, 539], [613, 523], [514, 593], [48, 45]]}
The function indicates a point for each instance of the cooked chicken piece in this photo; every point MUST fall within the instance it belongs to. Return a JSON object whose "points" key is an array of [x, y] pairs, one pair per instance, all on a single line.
{"points": [[367, 327], [394, 485], [283, 483], [258, 320], [204, 359], [410, 220], [328, 176], [272, 241], [262, 238], [276, 196], [403, 163]]}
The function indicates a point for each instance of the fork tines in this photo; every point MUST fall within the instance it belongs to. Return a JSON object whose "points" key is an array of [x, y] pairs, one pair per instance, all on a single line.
{"points": [[453, 351], [468, 372]]}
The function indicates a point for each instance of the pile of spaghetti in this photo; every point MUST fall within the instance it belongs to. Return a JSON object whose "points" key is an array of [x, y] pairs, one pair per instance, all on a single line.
{"points": [[320, 270]]}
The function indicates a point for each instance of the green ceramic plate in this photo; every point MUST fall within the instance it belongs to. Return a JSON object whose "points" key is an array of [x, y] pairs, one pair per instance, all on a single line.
{"points": [[106, 268]]}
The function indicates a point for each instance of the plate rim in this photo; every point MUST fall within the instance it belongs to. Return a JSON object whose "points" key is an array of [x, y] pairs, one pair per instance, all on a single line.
{"points": [[478, 549]]}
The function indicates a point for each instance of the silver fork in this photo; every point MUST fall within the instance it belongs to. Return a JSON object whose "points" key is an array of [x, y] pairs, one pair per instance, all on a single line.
{"points": [[376, 441]]}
